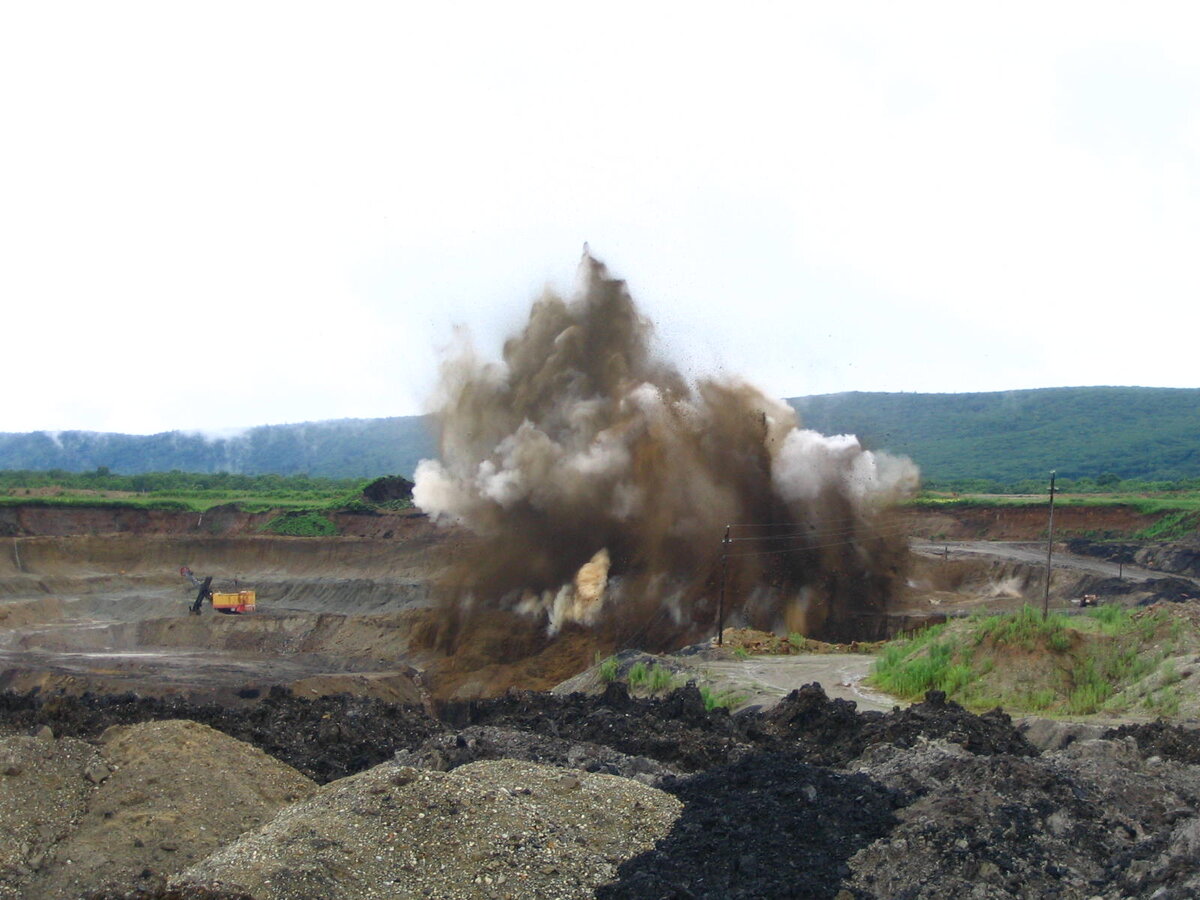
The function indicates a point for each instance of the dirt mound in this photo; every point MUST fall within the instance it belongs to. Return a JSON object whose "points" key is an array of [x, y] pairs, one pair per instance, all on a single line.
{"points": [[676, 730], [494, 828], [808, 801], [769, 825], [831, 732], [1090, 821], [153, 811], [325, 738], [679, 731], [1162, 739], [160, 890], [990, 734], [331, 737], [445, 752], [1022, 523]]}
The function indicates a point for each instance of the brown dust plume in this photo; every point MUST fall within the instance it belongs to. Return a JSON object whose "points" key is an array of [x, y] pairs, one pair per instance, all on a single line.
{"points": [[597, 483]]}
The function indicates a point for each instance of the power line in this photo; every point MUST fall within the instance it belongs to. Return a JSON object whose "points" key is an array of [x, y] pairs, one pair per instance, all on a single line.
{"points": [[802, 547]]}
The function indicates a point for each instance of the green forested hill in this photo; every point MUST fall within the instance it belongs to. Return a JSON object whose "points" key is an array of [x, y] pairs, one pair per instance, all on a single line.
{"points": [[344, 448], [1132, 432], [1005, 437]]}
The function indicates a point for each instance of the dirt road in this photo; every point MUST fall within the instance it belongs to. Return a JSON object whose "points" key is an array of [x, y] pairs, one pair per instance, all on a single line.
{"points": [[1035, 554], [765, 679]]}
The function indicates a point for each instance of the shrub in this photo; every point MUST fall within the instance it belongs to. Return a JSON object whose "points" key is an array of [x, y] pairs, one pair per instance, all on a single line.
{"points": [[301, 524], [713, 699]]}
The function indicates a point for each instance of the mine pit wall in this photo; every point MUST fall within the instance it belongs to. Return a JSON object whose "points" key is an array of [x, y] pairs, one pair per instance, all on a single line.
{"points": [[162, 555], [1021, 523], [58, 520], [365, 638], [345, 598]]}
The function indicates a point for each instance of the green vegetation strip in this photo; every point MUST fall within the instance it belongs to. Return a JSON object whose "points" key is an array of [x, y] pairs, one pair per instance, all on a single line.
{"points": [[188, 492], [653, 679]]}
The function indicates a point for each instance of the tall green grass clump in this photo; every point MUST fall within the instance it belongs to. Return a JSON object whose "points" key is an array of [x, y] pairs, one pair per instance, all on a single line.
{"points": [[650, 678], [910, 667], [1025, 629]]}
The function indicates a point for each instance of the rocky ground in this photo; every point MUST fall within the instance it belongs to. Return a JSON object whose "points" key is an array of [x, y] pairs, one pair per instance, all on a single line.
{"points": [[271, 792], [542, 795]]}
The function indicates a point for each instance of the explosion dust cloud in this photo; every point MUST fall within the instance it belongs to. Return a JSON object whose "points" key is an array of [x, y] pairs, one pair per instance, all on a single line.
{"points": [[598, 483]]}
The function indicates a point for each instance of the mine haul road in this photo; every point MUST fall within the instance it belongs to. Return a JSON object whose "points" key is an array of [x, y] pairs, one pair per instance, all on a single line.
{"points": [[1035, 554]]}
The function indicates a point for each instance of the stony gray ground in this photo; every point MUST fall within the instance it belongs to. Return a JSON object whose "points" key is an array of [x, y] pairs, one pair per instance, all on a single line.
{"points": [[489, 829], [1091, 817]]}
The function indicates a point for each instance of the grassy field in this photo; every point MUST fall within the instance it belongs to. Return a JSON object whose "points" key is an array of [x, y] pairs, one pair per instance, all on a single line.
{"points": [[178, 491], [1109, 660]]}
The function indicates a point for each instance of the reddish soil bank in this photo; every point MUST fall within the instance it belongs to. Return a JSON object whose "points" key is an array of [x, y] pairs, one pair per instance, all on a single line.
{"points": [[1022, 523], [33, 520]]}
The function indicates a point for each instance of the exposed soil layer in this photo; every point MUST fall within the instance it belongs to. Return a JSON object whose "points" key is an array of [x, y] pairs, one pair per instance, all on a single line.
{"points": [[31, 520], [1022, 523]]}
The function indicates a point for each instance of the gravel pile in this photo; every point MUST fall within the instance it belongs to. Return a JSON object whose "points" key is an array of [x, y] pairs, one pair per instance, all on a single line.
{"points": [[44, 789], [491, 829], [445, 752]]}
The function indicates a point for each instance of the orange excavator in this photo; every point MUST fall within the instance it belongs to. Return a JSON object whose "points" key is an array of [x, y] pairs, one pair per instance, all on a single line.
{"points": [[230, 603]]}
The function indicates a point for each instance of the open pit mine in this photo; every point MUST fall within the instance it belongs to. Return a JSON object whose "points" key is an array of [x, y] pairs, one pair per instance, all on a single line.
{"points": [[416, 707]]}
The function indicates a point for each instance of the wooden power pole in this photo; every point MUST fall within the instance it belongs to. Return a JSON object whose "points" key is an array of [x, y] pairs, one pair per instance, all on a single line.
{"points": [[721, 602], [1049, 552]]}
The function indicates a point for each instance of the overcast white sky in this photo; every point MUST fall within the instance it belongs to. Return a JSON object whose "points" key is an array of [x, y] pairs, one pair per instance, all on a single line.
{"points": [[215, 215]]}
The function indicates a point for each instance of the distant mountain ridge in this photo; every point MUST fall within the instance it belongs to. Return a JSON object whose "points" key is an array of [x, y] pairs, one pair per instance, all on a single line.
{"points": [[1004, 436], [341, 448]]}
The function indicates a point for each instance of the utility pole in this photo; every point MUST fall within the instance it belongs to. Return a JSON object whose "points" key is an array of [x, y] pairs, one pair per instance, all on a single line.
{"points": [[1049, 552], [721, 602]]}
